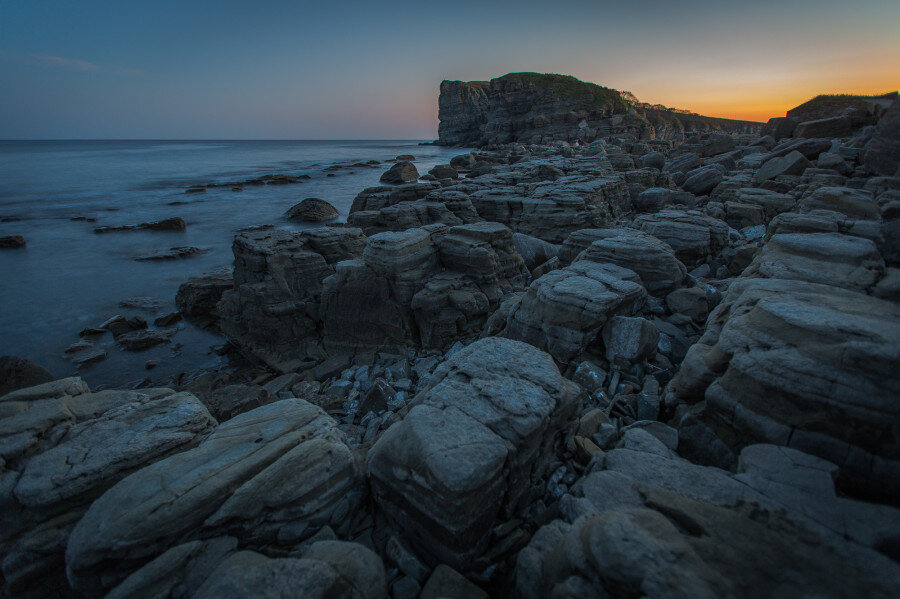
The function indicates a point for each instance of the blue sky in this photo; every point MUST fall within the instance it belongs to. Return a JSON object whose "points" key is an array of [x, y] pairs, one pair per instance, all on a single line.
{"points": [[202, 69]]}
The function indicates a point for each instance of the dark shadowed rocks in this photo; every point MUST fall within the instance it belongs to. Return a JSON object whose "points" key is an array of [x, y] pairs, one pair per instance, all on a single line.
{"points": [[312, 210], [401, 172]]}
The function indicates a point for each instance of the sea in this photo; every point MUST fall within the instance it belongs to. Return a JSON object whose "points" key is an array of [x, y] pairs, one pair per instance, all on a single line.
{"points": [[68, 278]]}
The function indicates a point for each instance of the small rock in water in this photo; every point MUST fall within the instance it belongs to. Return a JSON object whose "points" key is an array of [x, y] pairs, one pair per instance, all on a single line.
{"points": [[312, 210], [167, 319], [143, 303], [12, 242], [174, 253]]}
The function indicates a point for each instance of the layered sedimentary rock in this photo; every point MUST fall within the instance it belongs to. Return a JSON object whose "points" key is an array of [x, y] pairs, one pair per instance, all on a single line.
{"points": [[693, 236], [217, 569], [651, 524], [426, 286], [564, 311], [232, 483], [466, 452], [62, 447], [536, 108], [272, 313], [800, 364], [652, 260]]}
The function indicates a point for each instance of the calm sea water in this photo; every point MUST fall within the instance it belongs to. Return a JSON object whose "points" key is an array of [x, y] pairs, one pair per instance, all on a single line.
{"points": [[69, 278]]}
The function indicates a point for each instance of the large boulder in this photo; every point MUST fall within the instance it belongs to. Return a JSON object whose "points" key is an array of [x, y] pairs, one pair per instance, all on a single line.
{"points": [[461, 458], [427, 286], [62, 447], [219, 486], [402, 172], [793, 163], [882, 153], [272, 314], [830, 258], [312, 210], [652, 260], [218, 569], [800, 364], [564, 311], [17, 373], [704, 179], [836, 126], [694, 236], [656, 525]]}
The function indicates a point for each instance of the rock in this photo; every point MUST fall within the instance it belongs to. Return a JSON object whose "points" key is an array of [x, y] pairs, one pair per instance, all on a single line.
{"points": [[780, 127], [653, 160], [693, 236], [836, 126], [251, 454], [327, 569], [445, 582], [175, 253], [690, 301], [563, 311], [312, 210], [534, 251], [651, 259], [168, 319], [425, 287], [17, 373], [800, 364], [653, 199], [590, 376], [444, 171], [882, 153], [507, 400], [12, 242], [401, 172], [197, 298], [704, 179], [144, 339], [633, 547], [150, 304], [62, 447], [830, 258], [169, 224], [793, 163], [629, 340], [231, 400], [273, 312]]}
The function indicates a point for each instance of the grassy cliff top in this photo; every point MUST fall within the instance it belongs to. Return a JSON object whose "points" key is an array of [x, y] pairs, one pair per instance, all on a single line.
{"points": [[587, 94], [570, 87], [824, 104]]}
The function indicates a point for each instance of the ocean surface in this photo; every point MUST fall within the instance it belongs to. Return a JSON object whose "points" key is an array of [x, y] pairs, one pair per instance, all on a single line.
{"points": [[69, 278]]}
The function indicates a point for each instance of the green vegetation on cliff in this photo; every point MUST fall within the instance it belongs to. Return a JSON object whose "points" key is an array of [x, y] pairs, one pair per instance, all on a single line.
{"points": [[588, 95]]}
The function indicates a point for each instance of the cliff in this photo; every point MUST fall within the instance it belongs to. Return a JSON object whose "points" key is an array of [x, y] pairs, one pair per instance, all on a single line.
{"points": [[539, 108]]}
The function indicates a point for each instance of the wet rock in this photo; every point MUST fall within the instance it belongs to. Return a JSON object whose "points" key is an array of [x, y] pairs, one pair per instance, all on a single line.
{"points": [[445, 582], [144, 339], [170, 224], [402, 172], [197, 298], [17, 373], [312, 210], [175, 253], [444, 171], [12, 242]]}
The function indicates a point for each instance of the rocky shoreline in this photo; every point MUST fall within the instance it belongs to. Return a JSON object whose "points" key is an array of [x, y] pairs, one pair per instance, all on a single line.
{"points": [[646, 365]]}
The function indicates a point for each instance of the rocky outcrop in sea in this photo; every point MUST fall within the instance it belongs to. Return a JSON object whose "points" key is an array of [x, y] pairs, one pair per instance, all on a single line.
{"points": [[647, 365]]}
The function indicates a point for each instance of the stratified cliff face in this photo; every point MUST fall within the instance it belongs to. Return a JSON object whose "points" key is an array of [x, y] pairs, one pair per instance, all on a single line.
{"points": [[537, 108]]}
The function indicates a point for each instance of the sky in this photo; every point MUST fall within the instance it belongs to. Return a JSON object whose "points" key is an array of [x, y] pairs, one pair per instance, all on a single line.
{"points": [[224, 69]]}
